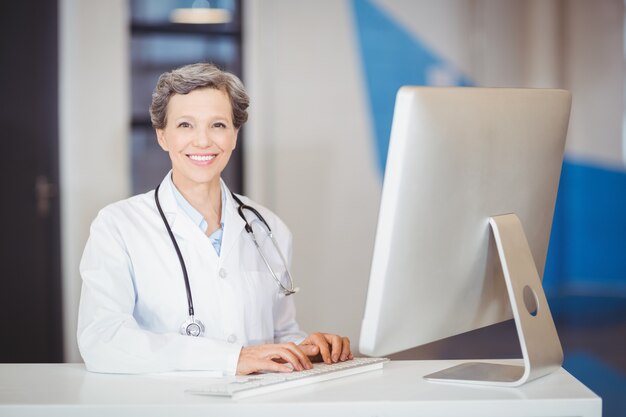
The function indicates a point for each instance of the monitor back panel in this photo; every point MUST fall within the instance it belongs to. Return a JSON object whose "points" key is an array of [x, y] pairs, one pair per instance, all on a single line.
{"points": [[458, 156]]}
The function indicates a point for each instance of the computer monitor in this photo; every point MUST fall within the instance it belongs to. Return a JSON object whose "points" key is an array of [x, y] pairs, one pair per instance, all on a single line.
{"points": [[464, 223]]}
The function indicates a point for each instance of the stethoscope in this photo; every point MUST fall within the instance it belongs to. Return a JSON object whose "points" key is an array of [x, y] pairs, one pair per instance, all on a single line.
{"points": [[193, 326]]}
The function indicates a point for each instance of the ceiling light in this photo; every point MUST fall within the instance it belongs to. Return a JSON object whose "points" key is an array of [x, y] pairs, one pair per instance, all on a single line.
{"points": [[200, 12]]}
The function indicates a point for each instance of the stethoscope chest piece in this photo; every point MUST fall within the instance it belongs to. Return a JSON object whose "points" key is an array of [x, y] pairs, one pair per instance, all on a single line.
{"points": [[192, 327]]}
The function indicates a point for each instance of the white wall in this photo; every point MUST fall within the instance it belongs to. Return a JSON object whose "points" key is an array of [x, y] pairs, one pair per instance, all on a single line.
{"points": [[594, 71], [309, 149], [304, 156], [94, 131]]}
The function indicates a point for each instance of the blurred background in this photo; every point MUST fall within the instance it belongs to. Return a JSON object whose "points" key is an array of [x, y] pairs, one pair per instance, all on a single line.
{"points": [[76, 79]]}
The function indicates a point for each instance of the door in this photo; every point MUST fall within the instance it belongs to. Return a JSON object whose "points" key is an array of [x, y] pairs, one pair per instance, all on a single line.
{"points": [[30, 296]]}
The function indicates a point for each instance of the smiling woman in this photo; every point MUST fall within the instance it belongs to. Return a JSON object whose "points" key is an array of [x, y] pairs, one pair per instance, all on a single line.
{"points": [[199, 136], [133, 300]]}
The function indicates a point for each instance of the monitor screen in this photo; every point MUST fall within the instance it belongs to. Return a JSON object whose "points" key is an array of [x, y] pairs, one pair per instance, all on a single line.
{"points": [[457, 158]]}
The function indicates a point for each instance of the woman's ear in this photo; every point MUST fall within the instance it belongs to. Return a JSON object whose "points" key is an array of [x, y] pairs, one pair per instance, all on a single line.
{"points": [[161, 139], [236, 137]]}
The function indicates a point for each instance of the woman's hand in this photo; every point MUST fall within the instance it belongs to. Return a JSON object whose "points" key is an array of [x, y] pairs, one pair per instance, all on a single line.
{"points": [[275, 358], [330, 347]]}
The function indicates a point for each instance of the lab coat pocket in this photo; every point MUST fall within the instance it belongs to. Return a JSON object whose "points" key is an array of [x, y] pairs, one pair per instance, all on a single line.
{"points": [[261, 295]]}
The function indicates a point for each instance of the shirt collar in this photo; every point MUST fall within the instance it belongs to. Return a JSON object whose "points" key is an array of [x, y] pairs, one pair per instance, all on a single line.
{"points": [[195, 216]]}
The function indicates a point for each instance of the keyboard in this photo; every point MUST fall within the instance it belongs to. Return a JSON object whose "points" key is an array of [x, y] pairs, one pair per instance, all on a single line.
{"points": [[246, 386]]}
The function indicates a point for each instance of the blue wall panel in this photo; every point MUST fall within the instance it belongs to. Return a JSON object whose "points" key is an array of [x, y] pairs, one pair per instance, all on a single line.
{"points": [[392, 57], [588, 245]]}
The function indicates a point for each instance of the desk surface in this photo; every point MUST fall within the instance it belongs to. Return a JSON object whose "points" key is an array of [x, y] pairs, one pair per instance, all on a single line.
{"points": [[68, 390]]}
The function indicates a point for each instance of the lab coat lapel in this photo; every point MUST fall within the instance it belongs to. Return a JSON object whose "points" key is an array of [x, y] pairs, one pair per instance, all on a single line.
{"points": [[168, 202], [182, 227], [233, 224]]}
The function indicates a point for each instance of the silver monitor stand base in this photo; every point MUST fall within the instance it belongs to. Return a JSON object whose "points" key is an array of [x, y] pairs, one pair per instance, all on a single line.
{"points": [[541, 348]]}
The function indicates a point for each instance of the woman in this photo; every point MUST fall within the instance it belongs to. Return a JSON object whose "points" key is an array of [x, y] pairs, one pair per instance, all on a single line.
{"points": [[135, 312]]}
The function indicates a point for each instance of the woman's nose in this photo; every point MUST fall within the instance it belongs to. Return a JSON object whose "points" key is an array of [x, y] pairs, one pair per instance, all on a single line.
{"points": [[203, 138]]}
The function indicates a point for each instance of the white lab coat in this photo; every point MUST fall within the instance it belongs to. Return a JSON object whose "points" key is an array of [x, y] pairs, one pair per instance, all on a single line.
{"points": [[133, 298]]}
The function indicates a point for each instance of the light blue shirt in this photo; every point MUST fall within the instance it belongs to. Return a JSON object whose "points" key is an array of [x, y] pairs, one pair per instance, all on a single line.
{"points": [[197, 219]]}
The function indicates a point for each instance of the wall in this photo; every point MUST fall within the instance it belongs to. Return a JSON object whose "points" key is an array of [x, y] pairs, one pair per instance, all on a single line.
{"points": [[311, 151], [323, 77], [314, 139], [594, 63], [307, 152], [94, 131], [311, 147]]}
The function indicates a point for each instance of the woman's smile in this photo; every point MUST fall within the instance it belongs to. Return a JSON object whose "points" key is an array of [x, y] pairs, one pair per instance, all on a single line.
{"points": [[201, 159]]}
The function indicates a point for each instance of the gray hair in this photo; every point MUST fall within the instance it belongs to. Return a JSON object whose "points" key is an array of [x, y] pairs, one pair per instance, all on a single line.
{"points": [[192, 77]]}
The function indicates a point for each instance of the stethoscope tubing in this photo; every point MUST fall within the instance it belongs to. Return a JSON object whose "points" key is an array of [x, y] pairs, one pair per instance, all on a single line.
{"points": [[242, 206], [198, 327], [178, 252]]}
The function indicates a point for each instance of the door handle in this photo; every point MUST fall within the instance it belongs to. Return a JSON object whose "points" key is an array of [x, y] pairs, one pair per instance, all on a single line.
{"points": [[44, 192]]}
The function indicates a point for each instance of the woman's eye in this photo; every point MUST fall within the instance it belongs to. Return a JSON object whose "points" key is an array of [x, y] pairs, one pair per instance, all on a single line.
{"points": [[219, 124], [184, 124]]}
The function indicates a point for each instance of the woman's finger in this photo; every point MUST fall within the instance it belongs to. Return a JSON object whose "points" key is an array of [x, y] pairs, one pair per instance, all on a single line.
{"points": [[268, 365], [309, 350], [267, 358], [336, 345], [304, 360], [283, 352], [345, 349], [320, 341]]}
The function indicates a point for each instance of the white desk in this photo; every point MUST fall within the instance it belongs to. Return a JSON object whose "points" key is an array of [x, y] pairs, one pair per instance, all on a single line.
{"points": [[398, 390]]}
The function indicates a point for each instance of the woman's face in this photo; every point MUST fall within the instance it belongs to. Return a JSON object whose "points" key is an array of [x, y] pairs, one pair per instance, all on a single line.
{"points": [[199, 136]]}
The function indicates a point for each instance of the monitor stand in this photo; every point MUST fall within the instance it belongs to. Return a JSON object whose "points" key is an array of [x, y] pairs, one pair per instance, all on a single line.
{"points": [[539, 341]]}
